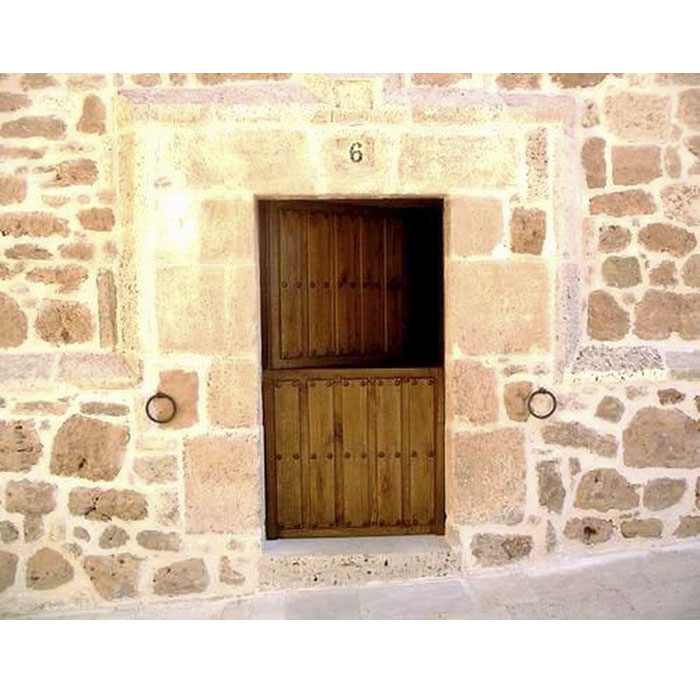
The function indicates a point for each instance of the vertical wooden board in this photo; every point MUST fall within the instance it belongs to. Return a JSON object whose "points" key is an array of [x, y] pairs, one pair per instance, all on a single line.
{"points": [[321, 453], [292, 224], [388, 427], [373, 340], [421, 445], [288, 453], [321, 317], [347, 263], [355, 452], [395, 284]]}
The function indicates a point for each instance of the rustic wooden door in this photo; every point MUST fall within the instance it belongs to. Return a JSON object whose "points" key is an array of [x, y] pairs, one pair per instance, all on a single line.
{"points": [[352, 381]]}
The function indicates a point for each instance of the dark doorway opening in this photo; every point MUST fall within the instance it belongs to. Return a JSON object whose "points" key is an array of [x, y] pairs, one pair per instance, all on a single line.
{"points": [[353, 397]]}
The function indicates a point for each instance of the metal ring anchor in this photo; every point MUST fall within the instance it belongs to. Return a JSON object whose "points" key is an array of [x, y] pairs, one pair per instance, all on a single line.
{"points": [[545, 392], [159, 395]]}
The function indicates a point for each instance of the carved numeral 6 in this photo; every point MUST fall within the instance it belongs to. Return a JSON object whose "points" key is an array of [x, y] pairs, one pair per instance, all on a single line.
{"points": [[356, 152]]}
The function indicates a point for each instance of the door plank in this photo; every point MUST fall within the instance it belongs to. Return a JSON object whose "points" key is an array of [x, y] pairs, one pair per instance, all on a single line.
{"points": [[321, 453], [288, 453], [347, 260], [321, 312], [292, 224], [421, 438], [355, 455], [373, 340], [394, 283], [389, 428]]}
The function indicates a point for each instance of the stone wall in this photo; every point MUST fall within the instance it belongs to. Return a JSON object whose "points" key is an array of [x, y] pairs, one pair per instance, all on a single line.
{"points": [[128, 264]]}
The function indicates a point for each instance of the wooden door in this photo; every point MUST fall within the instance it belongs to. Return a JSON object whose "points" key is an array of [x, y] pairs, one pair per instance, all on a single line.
{"points": [[353, 434]]}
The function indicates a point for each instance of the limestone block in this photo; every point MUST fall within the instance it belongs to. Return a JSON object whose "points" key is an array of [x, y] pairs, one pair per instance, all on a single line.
{"points": [[475, 225], [208, 310], [8, 569], [471, 392], [233, 393], [649, 527], [489, 476], [222, 484], [503, 306], [589, 530], [638, 116], [575, 434], [457, 162], [100, 504]]}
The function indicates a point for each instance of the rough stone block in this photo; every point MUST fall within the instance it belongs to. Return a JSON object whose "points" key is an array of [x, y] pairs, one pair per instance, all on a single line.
{"points": [[33, 223], [98, 504], [180, 578], [607, 320], [621, 272], [8, 570], [161, 541], [31, 127], [13, 323], [649, 527], [113, 537], [527, 230], [689, 108], [610, 409], [504, 306], [20, 447], [13, 190], [114, 576], [605, 489], [635, 165], [222, 484], [496, 550], [639, 116], [664, 238], [625, 203], [30, 497], [577, 435], [48, 569], [593, 162], [661, 437], [489, 476], [682, 203], [156, 470], [92, 119], [589, 530], [356, 161], [64, 322], [663, 493], [688, 526], [98, 371], [88, 448], [515, 397], [551, 491]]}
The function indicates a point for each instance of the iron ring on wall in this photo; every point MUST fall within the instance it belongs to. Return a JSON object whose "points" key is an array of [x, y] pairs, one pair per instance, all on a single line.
{"points": [[157, 397], [544, 392]]}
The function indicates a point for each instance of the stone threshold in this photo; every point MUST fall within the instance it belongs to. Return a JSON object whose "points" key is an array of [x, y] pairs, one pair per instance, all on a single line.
{"points": [[331, 546], [348, 561]]}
